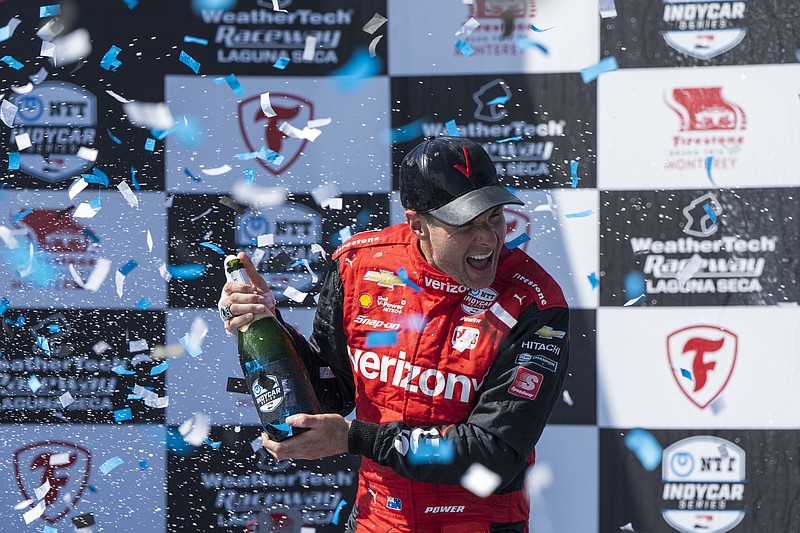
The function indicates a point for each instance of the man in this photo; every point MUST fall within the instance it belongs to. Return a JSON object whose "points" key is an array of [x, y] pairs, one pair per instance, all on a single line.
{"points": [[475, 370]]}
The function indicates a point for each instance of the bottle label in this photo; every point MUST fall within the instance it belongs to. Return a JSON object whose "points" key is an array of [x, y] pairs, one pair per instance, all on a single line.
{"points": [[267, 392]]}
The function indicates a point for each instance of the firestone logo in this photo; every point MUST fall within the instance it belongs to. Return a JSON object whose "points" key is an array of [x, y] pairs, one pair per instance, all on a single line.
{"points": [[260, 131], [708, 355], [502, 23], [65, 465]]}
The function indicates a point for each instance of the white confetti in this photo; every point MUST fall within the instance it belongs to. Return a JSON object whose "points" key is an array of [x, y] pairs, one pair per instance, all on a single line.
{"points": [[39, 77], [325, 192], [308, 51], [466, 30], [317, 248], [149, 241], [49, 31], [153, 116], [85, 211], [218, 171], [58, 459], [310, 134], [480, 481], [295, 295], [138, 345], [23, 141], [8, 237], [101, 347], [373, 46], [118, 98], [266, 106], [258, 196], [127, 193], [196, 429], [266, 240], [690, 268], [77, 186], [8, 112], [48, 49], [24, 89], [71, 47], [332, 203], [627, 527], [197, 333], [89, 154], [7, 31], [633, 300], [34, 513], [42, 490], [276, 7], [22, 505], [96, 278], [119, 282], [318, 122], [566, 397], [164, 272], [66, 399], [374, 23]]}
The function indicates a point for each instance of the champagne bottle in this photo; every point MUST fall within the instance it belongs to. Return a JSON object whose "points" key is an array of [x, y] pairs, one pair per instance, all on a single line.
{"points": [[273, 368]]}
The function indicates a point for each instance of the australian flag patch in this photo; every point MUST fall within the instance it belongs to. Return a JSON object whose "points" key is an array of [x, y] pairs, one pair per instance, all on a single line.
{"points": [[394, 503]]}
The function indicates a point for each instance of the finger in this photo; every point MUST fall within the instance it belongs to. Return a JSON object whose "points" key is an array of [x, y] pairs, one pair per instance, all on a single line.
{"points": [[233, 325], [239, 298], [252, 273], [243, 309], [232, 287], [302, 420]]}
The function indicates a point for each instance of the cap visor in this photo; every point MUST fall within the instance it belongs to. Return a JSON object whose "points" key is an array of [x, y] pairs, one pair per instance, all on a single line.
{"points": [[468, 206]]}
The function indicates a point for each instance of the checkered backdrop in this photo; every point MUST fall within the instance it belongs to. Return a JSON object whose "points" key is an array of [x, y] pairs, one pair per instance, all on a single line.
{"points": [[661, 196]]}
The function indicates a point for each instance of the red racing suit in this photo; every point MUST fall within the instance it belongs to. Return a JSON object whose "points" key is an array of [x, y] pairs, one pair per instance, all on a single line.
{"points": [[481, 369]]}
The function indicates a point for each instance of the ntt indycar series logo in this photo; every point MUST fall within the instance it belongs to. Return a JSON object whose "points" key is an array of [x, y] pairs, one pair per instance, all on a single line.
{"points": [[704, 483], [704, 29]]}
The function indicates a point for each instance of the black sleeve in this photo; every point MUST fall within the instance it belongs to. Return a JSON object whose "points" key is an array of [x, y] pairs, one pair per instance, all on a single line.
{"points": [[325, 352], [503, 428]]}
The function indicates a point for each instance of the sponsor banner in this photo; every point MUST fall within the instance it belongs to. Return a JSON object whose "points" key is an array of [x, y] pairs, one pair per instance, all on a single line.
{"points": [[703, 480], [698, 367], [723, 127], [293, 261], [700, 247], [78, 366], [199, 383], [67, 108], [555, 238], [699, 33], [229, 488], [503, 41], [543, 121], [47, 241], [249, 36], [350, 154], [578, 403], [565, 478], [72, 460]]}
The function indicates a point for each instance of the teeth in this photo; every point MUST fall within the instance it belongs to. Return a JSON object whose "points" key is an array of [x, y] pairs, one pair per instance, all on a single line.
{"points": [[479, 257]]}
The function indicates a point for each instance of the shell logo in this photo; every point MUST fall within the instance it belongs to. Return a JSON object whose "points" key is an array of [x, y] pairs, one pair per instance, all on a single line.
{"points": [[365, 300]]}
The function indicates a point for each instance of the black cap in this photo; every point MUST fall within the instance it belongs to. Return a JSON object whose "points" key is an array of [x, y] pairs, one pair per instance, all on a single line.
{"points": [[452, 179]]}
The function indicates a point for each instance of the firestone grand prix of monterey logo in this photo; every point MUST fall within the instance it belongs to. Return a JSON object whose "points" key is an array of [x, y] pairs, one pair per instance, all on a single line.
{"points": [[64, 465], [708, 354]]}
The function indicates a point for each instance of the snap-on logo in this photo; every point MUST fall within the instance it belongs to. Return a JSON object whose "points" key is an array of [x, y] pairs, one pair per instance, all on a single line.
{"points": [[478, 301]]}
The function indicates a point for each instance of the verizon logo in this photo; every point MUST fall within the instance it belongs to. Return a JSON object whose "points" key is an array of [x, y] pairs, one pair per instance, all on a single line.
{"points": [[444, 286]]}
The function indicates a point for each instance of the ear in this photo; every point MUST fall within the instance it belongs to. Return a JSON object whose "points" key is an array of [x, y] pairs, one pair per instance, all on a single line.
{"points": [[417, 224]]}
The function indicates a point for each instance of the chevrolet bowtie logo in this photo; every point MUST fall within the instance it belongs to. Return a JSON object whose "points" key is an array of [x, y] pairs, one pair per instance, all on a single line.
{"points": [[546, 332], [384, 278]]}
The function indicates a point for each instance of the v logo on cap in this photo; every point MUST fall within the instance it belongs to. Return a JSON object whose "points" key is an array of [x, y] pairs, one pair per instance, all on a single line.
{"points": [[468, 171]]}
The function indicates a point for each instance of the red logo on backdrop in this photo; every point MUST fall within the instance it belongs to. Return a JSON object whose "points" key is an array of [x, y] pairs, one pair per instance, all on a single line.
{"points": [[708, 353], [517, 223], [64, 464], [526, 383], [705, 109], [260, 131], [500, 8]]}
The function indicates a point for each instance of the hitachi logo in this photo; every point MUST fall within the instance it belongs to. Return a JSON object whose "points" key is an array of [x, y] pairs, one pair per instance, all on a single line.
{"points": [[413, 378], [444, 286], [445, 509]]}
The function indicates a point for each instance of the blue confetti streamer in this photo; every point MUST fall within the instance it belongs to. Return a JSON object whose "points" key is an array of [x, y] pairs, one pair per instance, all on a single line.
{"points": [[133, 179], [509, 139], [193, 271], [213, 444], [523, 44], [190, 62], [49, 529], [212, 246], [194, 351], [270, 156], [196, 40], [122, 371], [709, 163], [91, 235], [441, 451], [518, 241], [593, 280], [580, 214], [498, 100], [232, 82], [143, 464], [607, 64], [127, 267], [249, 175], [110, 465], [131, 3], [149, 144], [281, 63], [160, 135], [452, 128], [43, 344], [634, 284], [142, 304], [537, 30], [465, 49], [4, 303], [96, 203], [34, 384], [375, 339], [360, 67], [159, 368], [54, 328], [110, 61], [685, 373], [113, 137], [403, 275], [573, 169], [13, 160], [336, 513], [11, 62], [98, 177], [52, 10], [711, 214], [407, 132], [22, 214], [189, 173], [645, 446], [120, 415]]}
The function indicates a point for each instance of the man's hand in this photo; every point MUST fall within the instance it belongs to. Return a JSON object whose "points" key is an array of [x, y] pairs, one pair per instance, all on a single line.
{"points": [[326, 436], [246, 301]]}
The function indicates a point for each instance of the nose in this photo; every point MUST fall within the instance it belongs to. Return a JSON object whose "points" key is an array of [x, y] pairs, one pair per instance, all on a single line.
{"points": [[485, 235]]}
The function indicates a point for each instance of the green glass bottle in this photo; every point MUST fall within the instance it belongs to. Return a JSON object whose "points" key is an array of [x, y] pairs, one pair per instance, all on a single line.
{"points": [[273, 368]]}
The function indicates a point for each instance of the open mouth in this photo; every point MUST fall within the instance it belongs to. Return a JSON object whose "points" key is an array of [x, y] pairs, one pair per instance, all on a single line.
{"points": [[480, 262]]}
